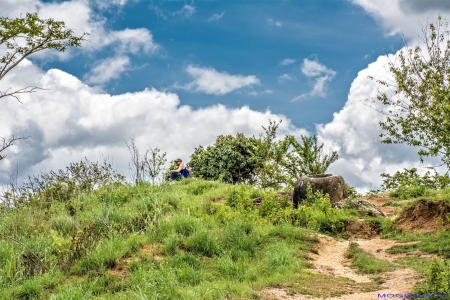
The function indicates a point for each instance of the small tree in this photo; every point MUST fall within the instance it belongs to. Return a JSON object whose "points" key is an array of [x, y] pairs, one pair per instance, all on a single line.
{"points": [[23, 37], [418, 108], [230, 159], [271, 154], [154, 162], [307, 158]]}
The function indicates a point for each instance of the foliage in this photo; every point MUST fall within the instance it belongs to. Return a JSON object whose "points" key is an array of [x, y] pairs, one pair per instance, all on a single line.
{"points": [[28, 35], [315, 212], [25, 36], [409, 184], [151, 164], [154, 162], [352, 192], [308, 157], [437, 279], [417, 108], [263, 161], [229, 159], [64, 184], [271, 153]]}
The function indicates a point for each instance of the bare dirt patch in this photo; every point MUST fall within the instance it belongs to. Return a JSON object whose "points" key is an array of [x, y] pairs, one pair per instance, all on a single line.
{"points": [[121, 269], [426, 216], [331, 260], [361, 229], [380, 200]]}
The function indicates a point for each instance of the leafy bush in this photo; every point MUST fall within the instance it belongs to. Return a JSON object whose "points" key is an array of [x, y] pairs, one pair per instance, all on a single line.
{"points": [[64, 184], [409, 183], [437, 280], [230, 159], [315, 212], [264, 161]]}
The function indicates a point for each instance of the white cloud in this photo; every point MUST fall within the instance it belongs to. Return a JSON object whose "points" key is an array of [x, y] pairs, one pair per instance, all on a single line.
{"points": [[404, 16], [265, 92], [107, 69], [286, 77], [286, 62], [312, 68], [133, 41], [320, 74], [274, 22], [210, 81], [186, 12], [80, 17], [216, 17], [107, 4], [354, 132], [71, 120]]}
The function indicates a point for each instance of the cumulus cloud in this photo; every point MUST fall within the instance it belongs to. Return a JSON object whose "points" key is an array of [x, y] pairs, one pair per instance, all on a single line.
{"points": [[320, 75], [287, 62], [354, 132], [210, 81], [216, 17], [80, 17], [71, 120], [404, 16], [107, 69], [186, 12]]}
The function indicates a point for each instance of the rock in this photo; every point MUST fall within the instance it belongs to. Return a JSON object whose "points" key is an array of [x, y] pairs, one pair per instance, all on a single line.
{"points": [[257, 201], [363, 206], [326, 183], [361, 229]]}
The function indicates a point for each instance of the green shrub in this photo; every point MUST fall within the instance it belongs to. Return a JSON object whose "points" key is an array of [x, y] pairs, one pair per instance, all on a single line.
{"points": [[409, 184], [437, 279]]}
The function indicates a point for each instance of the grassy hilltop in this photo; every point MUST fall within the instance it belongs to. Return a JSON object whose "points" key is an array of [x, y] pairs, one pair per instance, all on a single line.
{"points": [[193, 239]]}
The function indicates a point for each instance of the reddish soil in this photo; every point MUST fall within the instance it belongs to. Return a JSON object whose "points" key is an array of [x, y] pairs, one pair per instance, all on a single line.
{"points": [[426, 216], [122, 269], [381, 199], [361, 229]]}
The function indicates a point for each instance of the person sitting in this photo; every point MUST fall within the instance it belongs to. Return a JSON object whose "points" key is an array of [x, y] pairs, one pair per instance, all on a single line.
{"points": [[182, 171]]}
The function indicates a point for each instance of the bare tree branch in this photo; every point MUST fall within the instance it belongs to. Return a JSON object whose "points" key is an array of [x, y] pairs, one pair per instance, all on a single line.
{"points": [[5, 144]]}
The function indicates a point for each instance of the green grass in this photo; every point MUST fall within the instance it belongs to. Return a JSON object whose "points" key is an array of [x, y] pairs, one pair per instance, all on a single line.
{"points": [[366, 263], [211, 241], [214, 243]]}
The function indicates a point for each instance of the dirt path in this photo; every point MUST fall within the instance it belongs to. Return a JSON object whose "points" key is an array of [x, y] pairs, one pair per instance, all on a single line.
{"points": [[331, 260]]}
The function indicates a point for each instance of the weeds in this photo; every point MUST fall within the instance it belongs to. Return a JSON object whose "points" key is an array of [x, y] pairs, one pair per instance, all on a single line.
{"points": [[366, 263]]}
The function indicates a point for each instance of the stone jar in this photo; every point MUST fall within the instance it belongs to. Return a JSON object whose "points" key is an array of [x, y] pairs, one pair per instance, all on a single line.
{"points": [[326, 183]]}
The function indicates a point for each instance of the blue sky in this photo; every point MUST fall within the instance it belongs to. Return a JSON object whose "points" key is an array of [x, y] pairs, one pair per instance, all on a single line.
{"points": [[250, 38], [176, 74]]}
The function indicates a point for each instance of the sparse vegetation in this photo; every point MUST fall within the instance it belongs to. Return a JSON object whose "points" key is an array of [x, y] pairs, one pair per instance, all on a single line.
{"points": [[366, 263]]}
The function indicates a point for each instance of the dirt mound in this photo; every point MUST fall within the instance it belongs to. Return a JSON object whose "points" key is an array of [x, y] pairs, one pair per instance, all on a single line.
{"points": [[426, 216], [361, 229]]}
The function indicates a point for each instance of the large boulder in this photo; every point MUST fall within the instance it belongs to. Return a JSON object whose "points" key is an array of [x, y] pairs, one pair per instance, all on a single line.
{"points": [[326, 183]]}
